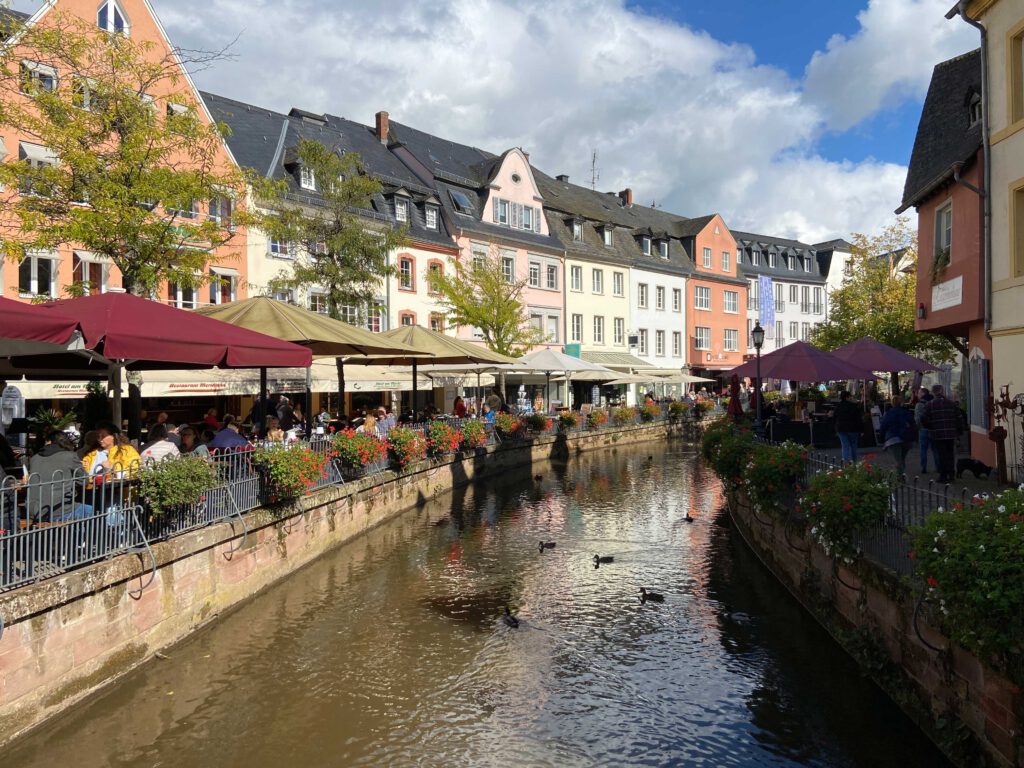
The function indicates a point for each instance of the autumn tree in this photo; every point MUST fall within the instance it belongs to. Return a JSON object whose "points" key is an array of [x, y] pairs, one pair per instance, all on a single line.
{"points": [[114, 156], [482, 295], [342, 253], [878, 298]]}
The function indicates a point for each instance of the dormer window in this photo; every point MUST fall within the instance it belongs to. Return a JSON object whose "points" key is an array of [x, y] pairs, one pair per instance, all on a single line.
{"points": [[807, 264], [663, 248], [645, 245], [461, 202], [111, 18], [974, 110], [401, 209], [430, 216], [577, 231], [771, 259], [307, 178], [607, 234], [527, 217]]}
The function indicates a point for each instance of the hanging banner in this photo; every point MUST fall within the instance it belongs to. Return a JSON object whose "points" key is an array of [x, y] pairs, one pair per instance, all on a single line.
{"points": [[766, 292]]}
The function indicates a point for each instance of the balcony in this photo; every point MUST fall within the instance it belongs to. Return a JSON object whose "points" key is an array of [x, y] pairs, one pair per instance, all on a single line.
{"points": [[811, 309], [780, 306]]}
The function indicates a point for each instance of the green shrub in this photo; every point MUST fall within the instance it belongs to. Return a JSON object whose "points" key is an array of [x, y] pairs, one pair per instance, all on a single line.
{"points": [[843, 503], [176, 482], [623, 415], [474, 434], [972, 559], [713, 435], [773, 472]]}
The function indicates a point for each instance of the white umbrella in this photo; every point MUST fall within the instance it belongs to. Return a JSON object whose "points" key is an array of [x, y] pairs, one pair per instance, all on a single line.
{"points": [[549, 361]]}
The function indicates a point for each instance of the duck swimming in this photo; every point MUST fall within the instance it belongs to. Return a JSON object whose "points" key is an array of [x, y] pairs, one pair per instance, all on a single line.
{"points": [[653, 597], [689, 517], [509, 619], [603, 560], [546, 545]]}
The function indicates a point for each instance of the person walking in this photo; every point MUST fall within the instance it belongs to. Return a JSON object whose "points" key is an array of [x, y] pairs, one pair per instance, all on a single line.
{"points": [[897, 431], [944, 422], [924, 435], [849, 425]]}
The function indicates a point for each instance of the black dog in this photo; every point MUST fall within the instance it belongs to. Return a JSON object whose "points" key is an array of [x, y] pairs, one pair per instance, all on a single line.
{"points": [[973, 466]]}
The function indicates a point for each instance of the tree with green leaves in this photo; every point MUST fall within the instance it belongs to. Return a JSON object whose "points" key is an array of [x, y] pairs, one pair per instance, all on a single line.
{"points": [[879, 298], [480, 294], [344, 254], [114, 157]]}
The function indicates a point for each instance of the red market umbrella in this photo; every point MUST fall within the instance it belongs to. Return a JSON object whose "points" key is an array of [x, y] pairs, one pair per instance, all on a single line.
{"points": [[802, 362], [868, 353], [25, 328]]}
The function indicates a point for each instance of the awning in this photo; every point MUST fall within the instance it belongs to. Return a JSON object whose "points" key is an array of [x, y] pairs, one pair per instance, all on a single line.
{"points": [[93, 258], [616, 360], [3, 148], [224, 271], [37, 153]]}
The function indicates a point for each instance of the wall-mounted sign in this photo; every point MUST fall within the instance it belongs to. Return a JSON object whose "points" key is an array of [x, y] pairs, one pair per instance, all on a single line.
{"points": [[947, 294]]}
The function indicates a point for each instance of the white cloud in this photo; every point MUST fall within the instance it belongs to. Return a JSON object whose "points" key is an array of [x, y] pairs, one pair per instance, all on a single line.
{"points": [[691, 122]]}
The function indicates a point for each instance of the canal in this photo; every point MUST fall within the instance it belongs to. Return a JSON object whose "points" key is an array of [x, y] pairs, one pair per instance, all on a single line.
{"points": [[391, 651]]}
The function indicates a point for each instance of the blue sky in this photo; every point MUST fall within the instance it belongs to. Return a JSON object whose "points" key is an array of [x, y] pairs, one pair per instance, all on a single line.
{"points": [[793, 118]]}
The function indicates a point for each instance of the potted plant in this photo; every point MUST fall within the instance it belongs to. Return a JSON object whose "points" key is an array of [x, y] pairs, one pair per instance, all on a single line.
{"points": [[567, 421], [677, 409], [175, 483], [597, 419], [507, 425], [623, 415], [649, 412], [538, 423], [474, 434], [289, 472], [442, 438], [406, 447], [355, 451]]}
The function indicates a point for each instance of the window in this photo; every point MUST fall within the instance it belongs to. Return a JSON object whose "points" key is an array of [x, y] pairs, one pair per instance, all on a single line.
{"points": [[508, 269], [598, 329], [280, 249], [805, 331], [36, 78], [607, 235], [1018, 231], [552, 277], [619, 329], [789, 261], [436, 322], [576, 278], [780, 297], [406, 319], [805, 299], [435, 270], [375, 319], [750, 333], [780, 338], [725, 261], [754, 295], [641, 295], [349, 313], [430, 216], [707, 258], [597, 280], [731, 301], [677, 344], [817, 307], [401, 209], [702, 340], [501, 211], [739, 257], [943, 232], [659, 297], [577, 328], [89, 274], [189, 211], [794, 331], [701, 297], [755, 258], [577, 231], [307, 178], [553, 323], [406, 274], [794, 294], [848, 269], [38, 159], [182, 296], [527, 217], [659, 343], [534, 274], [642, 341], [111, 18], [82, 95], [461, 202], [645, 245], [1017, 77], [515, 215], [285, 296], [479, 259], [772, 259], [37, 276], [618, 284], [663, 248], [807, 264], [732, 340], [318, 303]]}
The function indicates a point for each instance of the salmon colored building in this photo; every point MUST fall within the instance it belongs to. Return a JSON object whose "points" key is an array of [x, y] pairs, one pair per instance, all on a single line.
{"points": [[716, 297], [47, 274], [943, 183]]}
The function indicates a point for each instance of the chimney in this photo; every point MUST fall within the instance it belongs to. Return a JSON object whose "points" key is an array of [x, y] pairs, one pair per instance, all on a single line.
{"points": [[626, 196], [563, 177], [382, 127]]}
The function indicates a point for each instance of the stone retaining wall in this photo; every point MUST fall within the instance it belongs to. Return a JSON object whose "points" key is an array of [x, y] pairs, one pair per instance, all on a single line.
{"points": [[971, 712], [70, 635]]}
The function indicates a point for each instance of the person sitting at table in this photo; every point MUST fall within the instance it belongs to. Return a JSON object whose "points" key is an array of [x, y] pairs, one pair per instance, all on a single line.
{"points": [[55, 477], [229, 436], [159, 446], [113, 454], [459, 408], [191, 445], [487, 415], [211, 419], [369, 425], [274, 433]]}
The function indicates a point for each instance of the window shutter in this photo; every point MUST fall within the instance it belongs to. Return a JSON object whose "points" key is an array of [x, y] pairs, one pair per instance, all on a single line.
{"points": [[536, 220], [494, 208]]}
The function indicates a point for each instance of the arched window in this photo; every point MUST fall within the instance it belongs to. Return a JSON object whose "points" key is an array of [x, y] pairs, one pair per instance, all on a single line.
{"points": [[111, 18]]}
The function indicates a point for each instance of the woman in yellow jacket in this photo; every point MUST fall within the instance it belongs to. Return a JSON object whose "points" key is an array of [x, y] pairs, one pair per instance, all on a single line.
{"points": [[114, 457]]}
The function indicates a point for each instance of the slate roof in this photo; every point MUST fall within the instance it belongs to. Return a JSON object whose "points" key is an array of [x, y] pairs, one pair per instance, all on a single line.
{"points": [[747, 241], [11, 17], [944, 135], [268, 141], [462, 168]]}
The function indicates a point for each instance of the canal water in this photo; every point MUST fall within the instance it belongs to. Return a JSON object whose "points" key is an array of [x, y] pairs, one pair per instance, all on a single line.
{"points": [[391, 651]]}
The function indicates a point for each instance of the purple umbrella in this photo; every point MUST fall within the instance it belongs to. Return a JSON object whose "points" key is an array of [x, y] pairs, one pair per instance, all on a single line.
{"points": [[880, 357], [803, 362]]}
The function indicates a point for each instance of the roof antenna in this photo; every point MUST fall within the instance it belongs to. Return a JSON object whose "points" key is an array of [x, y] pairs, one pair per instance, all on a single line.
{"points": [[595, 172]]}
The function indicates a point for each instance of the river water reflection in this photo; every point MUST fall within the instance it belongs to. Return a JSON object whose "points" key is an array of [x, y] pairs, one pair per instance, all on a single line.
{"points": [[391, 651]]}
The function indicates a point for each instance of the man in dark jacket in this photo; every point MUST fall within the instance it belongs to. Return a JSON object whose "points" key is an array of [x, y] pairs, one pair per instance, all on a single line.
{"points": [[944, 421], [55, 477], [285, 414], [849, 424]]}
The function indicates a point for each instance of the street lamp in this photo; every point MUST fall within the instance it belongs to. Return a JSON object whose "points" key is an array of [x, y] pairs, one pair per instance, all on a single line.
{"points": [[757, 336]]}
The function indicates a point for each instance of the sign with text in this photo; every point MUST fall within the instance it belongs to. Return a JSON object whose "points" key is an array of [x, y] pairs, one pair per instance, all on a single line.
{"points": [[948, 294]]}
